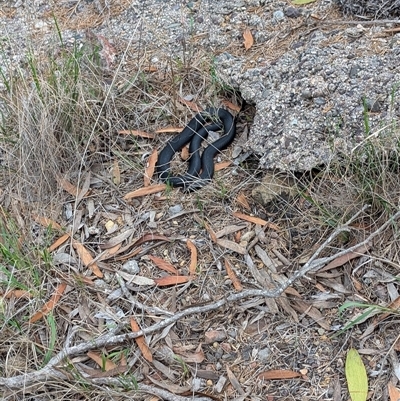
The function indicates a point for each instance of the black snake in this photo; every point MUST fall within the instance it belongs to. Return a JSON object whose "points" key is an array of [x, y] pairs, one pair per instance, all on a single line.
{"points": [[201, 168]]}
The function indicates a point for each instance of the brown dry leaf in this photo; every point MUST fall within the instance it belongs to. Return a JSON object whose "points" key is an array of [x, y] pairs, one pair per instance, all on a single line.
{"points": [[242, 201], [168, 130], [134, 132], [117, 239], [231, 106], [278, 374], [394, 305], [46, 222], [191, 357], [256, 220], [193, 257], [233, 246], [167, 371], [185, 153], [304, 308], [394, 393], [173, 388], [84, 191], [74, 190], [58, 242], [16, 294], [345, 258], [231, 274], [230, 230], [337, 390], [108, 253], [123, 361], [116, 173], [163, 264], [248, 39], [151, 166], [67, 186], [128, 255], [211, 232], [152, 189], [151, 237], [192, 105], [87, 258], [102, 361], [141, 342], [234, 381], [171, 280], [49, 305], [222, 165]]}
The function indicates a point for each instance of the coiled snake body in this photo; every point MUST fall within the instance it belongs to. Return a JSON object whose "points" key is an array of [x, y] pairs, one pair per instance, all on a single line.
{"points": [[195, 132]]}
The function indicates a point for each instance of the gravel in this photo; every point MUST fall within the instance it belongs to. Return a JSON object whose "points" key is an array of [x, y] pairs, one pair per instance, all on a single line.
{"points": [[312, 82], [312, 102]]}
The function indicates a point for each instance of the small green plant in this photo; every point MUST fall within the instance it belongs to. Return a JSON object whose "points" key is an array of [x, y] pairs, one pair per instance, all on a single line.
{"points": [[128, 382], [51, 322], [216, 81], [199, 203], [329, 218], [184, 366], [369, 311], [222, 190], [14, 263]]}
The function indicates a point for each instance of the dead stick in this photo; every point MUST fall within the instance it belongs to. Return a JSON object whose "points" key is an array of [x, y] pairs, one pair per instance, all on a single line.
{"points": [[352, 22]]}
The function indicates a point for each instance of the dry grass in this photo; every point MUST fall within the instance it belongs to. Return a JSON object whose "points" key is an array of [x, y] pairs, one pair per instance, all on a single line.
{"points": [[63, 121]]}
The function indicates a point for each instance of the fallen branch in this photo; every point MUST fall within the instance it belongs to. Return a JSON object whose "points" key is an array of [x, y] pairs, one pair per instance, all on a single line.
{"points": [[361, 22], [111, 339]]}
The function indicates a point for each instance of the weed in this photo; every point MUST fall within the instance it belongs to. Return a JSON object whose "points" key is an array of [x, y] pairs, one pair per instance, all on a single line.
{"points": [[52, 338], [184, 366], [49, 114], [128, 382], [16, 266], [369, 311], [367, 126], [199, 203]]}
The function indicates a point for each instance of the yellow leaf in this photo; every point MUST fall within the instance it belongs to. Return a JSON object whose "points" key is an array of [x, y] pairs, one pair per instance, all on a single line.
{"points": [[356, 375]]}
